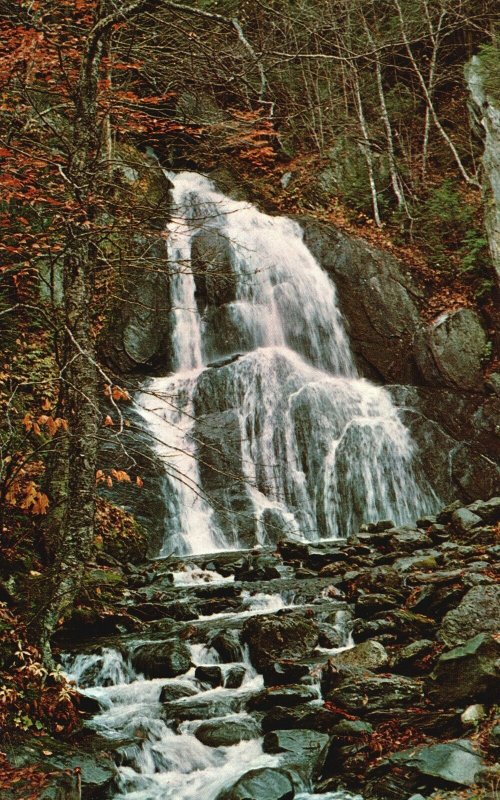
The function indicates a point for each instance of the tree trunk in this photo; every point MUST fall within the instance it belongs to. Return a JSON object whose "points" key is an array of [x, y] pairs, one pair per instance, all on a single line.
{"points": [[365, 147], [73, 545]]}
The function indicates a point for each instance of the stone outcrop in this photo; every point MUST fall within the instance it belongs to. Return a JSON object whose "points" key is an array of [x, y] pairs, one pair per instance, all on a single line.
{"points": [[436, 369], [135, 338], [479, 611], [468, 672], [486, 114], [378, 300], [271, 637], [163, 660], [451, 350]]}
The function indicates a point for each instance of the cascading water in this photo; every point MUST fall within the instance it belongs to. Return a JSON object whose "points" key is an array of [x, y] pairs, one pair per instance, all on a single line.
{"points": [[154, 726], [265, 429]]}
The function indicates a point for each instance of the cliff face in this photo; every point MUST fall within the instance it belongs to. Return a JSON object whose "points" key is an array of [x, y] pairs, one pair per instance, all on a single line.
{"points": [[435, 370], [486, 115]]}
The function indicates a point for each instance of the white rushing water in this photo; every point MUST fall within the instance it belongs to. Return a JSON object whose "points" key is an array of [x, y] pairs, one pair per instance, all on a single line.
{"points": [[159, 763], [158, 760], [284, 438]]}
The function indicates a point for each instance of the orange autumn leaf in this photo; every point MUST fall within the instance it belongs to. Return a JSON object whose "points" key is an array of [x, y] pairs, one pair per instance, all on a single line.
{"points": [[120, 475], [119, 394], [27, 421], [41, 504]]}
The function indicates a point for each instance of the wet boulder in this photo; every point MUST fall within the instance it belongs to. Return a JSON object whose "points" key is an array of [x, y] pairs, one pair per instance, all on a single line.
{"points": [[279, 636], [181, 610], [162, 659], [372, 694], [174, 690], [202, 707], [468, 673], [226, 732], [309, 716], [303, 753], [233, 677], [257, 784], [330, 636], [478, 612], [369, 655], [455, 763], [292, 551], [227, 645], [284, 696], [280, 673], [211, 674]]}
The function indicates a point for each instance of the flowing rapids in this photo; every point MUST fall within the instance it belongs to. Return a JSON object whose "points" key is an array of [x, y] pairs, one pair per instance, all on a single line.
{"points": [[158, 760], [264, 427]]}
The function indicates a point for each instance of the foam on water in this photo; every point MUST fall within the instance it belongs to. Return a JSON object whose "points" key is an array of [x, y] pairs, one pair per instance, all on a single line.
{"points": [[162, 764], [281, 437]]}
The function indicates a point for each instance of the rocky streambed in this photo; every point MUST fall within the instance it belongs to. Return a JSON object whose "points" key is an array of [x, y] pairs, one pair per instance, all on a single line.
{"points": [[363, 667]]}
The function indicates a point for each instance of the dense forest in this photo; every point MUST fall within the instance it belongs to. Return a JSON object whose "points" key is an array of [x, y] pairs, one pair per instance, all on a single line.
{"points": [[355, 114]]}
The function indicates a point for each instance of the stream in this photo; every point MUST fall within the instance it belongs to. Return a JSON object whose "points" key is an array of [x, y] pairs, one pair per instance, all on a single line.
{"points": [[266, 433]]}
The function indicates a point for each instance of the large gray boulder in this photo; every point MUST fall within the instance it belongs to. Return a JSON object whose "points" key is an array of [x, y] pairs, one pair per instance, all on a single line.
{"points": [[283, 696], [162, 659], [204, 707], [478, 612], [468, 673], [136, 336], [423, 769], [369, 655], [257, 784], [274, 636], [377, 297], [370, 694], [307, 717], [226, 732], [454, 762], [453, 349], [303, 753]]}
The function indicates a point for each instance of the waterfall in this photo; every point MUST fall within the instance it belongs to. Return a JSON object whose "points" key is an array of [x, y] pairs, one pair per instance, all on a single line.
{"points": [[265, 428]]}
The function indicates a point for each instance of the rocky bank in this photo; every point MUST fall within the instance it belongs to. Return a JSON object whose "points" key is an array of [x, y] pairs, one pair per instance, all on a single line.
{"points": [[379, 662]]}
